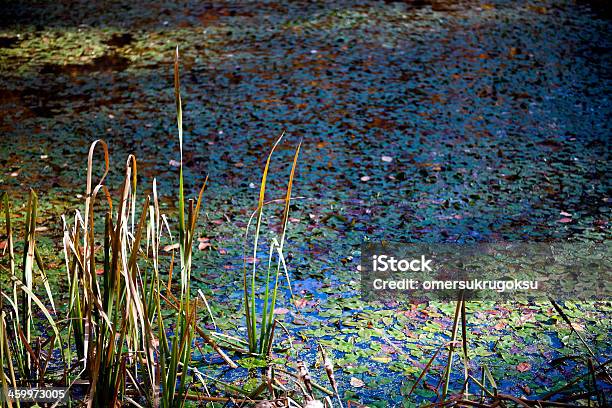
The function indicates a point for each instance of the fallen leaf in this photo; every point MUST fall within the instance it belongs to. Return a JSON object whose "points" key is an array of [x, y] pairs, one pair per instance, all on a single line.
{"points": [[578, 327], [3, 245], [301, 303], [170, 248], [174, 163], [387, 159], [565, 220], [281, 310], [203, 245], [382, 359], [522, 367], [357, 383], [365, 178], [538, 9], [499, 326], [299, 321]]}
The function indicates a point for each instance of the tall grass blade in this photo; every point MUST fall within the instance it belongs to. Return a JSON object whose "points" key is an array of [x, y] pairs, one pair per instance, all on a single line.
{"points": [[250, 297], [451, 349], [6, 360], [29, 246], [267, 320]]}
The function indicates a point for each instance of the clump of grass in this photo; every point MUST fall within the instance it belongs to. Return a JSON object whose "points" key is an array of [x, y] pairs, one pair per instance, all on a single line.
{"points": [[114, 324], [261, 345], [115, 339], [27, 359]]}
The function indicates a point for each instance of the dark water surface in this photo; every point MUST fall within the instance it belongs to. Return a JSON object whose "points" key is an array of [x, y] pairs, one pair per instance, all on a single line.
{"points": [[421, 121]]}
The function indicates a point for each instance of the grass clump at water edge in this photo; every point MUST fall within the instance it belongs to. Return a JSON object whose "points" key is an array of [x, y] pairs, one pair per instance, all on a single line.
{"points": [[115, 345]]}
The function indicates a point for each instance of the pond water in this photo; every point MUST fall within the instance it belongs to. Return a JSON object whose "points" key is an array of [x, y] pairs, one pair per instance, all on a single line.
{"points": [[426, 121]]}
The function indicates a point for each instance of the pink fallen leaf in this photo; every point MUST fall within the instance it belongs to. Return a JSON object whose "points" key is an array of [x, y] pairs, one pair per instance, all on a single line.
{"points": [[301, 303], [527, 317], [499, 326], [204, 245], [281, 310], [522, 367], [565, 214], [170, 248], [565, 220], [174, 163], [365, 178], [3, 245], [387, 159], [356, 382], [222, 251]]}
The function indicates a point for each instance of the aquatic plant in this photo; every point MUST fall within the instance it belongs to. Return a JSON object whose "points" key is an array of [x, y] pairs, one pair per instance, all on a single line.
{"points": [[262, 345], [488, 394]]}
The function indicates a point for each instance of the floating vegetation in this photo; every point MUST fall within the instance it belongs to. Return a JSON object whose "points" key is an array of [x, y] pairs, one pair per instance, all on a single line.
{"points": [[421, 121]]}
